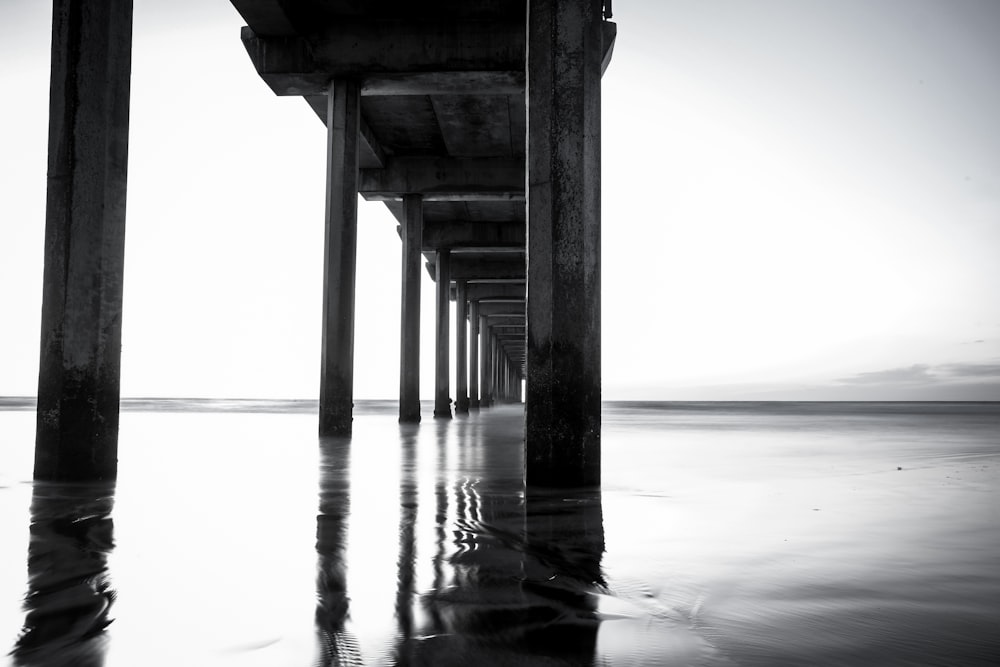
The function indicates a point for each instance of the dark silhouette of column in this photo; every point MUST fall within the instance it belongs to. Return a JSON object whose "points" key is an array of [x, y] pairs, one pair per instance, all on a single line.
{"points": [[69, 599], [336, 646], [473, 355], [564, 544], [409, 337], [336, 392], [563, 406], [461, 342], [80, 360], [406, 562], [442, 390], [486, 381]]}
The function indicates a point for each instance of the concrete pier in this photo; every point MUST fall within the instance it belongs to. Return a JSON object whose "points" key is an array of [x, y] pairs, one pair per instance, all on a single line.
{"points": [[79, 369], [442, 392], [409, 335], [563, 402], [489, 112], [461, 343], [336, 392], [473, 355]]}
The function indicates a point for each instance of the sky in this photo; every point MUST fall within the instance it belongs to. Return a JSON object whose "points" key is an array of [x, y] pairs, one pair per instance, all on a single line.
{"points": [[801, 201]]}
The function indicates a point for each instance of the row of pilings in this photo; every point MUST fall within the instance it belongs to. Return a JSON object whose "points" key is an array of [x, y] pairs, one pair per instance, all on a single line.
{"points": [[557, 356]]}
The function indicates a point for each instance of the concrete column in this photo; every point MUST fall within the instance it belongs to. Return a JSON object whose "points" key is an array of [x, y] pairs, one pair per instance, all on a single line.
{"points": [[409, 336], [563, 407], [473, 355], [485, 396], [501, 370], [336, 390], [442, 389], [80, 360], [461, 342]]}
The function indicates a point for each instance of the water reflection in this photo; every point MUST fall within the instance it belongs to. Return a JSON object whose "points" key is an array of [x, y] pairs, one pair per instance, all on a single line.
{"points": [[69, 596], [336, 646], [513, 575]]}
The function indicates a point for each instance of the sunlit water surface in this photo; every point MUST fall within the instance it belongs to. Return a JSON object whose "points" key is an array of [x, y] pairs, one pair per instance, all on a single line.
{"points": [[725, 534]]}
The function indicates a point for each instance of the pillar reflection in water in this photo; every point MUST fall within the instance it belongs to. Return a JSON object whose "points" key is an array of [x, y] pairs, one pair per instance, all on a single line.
{"points": [[406, 562], [514, 574], [336, 646], [69, 596]]}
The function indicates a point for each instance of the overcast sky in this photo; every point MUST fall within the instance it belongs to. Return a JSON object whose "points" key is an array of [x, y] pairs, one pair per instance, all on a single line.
{"points": [[801, 199]]}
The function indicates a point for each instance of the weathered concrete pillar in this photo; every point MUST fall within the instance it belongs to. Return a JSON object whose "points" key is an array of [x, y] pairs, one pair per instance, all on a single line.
{"points": [[336, 390], [80, 360], [461, 342], [563, 410], [485, 397], [409, 336], [442, 389], [473, 355]]}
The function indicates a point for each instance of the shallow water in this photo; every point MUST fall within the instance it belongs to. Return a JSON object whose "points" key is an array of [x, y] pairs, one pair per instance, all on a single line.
{"points": [[724, 534]]}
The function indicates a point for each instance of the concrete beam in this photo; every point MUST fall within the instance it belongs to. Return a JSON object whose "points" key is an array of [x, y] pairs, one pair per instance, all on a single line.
{"points": [[467, 234], [80, 364], [501, 268], [492, 291], [487, 309], [392, 57], [445, 179], [444, 83], [406, 46]]}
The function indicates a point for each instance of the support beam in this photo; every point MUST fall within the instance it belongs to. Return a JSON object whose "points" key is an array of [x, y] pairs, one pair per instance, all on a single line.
{"points": [[336, 391], [563, 407], [461, 343], [514, 309], [409, 335], [396, 57], [490, 291], [445, 179], [473, 355], [468, 234], [80, 360], [442, 398], [502, 267]]}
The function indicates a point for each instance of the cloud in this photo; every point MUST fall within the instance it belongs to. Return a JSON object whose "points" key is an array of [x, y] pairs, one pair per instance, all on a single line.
{"points": [[917, 373], [926, 374], [971, 370]]}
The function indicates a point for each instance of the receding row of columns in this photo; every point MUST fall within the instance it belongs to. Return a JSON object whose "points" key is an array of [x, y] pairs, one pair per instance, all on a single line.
{"points": [[78, 395], [484, 372]]}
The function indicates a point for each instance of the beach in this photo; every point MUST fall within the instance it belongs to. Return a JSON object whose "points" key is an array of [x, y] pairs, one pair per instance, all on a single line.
{"points": [[722, 534]]}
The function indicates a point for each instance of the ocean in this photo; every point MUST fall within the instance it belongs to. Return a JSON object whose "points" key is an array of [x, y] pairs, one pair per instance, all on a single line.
{"points": [[731, 534]]}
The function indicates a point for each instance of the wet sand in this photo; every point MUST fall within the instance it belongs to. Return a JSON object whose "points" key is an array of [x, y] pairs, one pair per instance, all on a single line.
{"points": [[777, 534]]}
